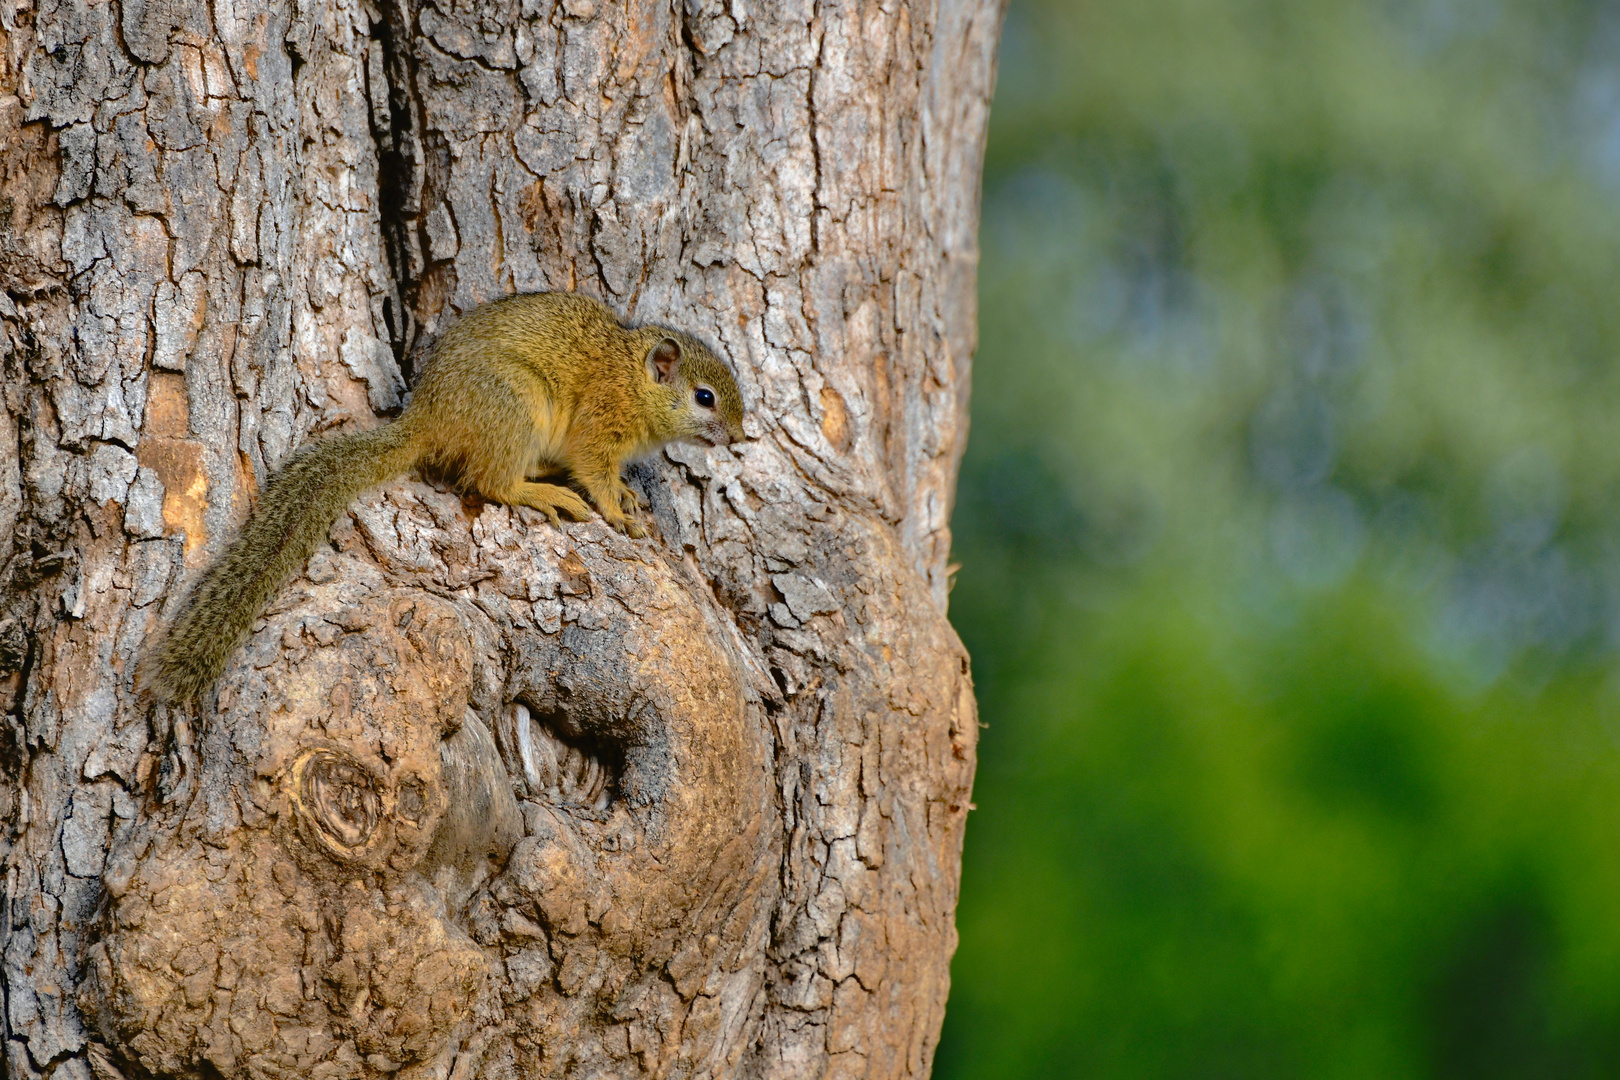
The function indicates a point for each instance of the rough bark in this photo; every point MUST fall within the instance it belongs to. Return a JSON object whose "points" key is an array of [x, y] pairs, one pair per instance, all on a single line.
{"points": [[482, 797]]}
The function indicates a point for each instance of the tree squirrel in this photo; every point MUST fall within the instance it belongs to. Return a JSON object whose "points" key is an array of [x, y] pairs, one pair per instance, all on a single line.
{"points": [[526, 385]]}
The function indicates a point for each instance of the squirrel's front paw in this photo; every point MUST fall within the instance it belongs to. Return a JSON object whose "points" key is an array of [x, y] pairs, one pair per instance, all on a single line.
{"points": [[631, 527], [629, 524]]}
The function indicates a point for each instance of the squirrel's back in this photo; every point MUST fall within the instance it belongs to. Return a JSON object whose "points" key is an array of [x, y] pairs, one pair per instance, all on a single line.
{"points": [[569, 344]]}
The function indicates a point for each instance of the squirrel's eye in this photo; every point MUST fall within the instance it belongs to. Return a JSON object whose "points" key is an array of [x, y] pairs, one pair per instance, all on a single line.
{"points": [[704, 397]]}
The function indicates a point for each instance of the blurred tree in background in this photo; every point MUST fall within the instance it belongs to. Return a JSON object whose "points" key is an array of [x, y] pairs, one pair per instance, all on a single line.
{"points": [[1290, 527]]}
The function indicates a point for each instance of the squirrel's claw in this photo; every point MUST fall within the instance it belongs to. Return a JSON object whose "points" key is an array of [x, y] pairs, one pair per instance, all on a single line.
{"points": [[631, 500], [628, 524]]}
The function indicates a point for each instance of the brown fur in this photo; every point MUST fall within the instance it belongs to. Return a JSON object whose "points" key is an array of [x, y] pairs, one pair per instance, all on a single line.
{"points": [[521, 387]]}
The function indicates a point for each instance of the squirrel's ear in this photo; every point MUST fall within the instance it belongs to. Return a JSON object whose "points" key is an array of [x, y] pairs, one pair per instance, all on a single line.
{"points": [[662, 360]]}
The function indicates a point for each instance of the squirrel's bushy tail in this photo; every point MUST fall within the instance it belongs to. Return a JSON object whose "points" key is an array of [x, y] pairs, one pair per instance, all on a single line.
{"points": [[294, 512]]}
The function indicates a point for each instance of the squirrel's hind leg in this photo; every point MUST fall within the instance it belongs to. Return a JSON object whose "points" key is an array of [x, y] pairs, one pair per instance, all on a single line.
{"points": [[549, 499]]}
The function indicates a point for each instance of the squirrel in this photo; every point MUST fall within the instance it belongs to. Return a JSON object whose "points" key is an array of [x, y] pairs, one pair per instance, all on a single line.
{"points": [[528, 385]]}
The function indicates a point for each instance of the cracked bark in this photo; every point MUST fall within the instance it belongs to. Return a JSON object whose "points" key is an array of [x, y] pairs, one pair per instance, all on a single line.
{"points": [[481, 797]]}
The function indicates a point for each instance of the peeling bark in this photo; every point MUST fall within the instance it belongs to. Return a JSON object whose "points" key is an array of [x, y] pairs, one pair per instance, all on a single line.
{"points": [[482, 797]]}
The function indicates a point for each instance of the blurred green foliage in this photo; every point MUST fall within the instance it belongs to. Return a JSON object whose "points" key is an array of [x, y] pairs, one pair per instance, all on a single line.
{"points": [[1289, 527]]}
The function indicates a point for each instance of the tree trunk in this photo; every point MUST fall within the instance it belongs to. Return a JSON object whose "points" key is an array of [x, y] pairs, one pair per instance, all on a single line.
{"points": [[483, 797]]}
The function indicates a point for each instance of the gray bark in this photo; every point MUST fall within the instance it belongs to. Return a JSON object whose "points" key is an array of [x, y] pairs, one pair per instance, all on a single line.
{"points": [[482, 797]]}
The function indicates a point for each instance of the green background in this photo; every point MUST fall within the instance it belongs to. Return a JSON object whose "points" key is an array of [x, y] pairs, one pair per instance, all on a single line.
{"points": [[1289, 528]]}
